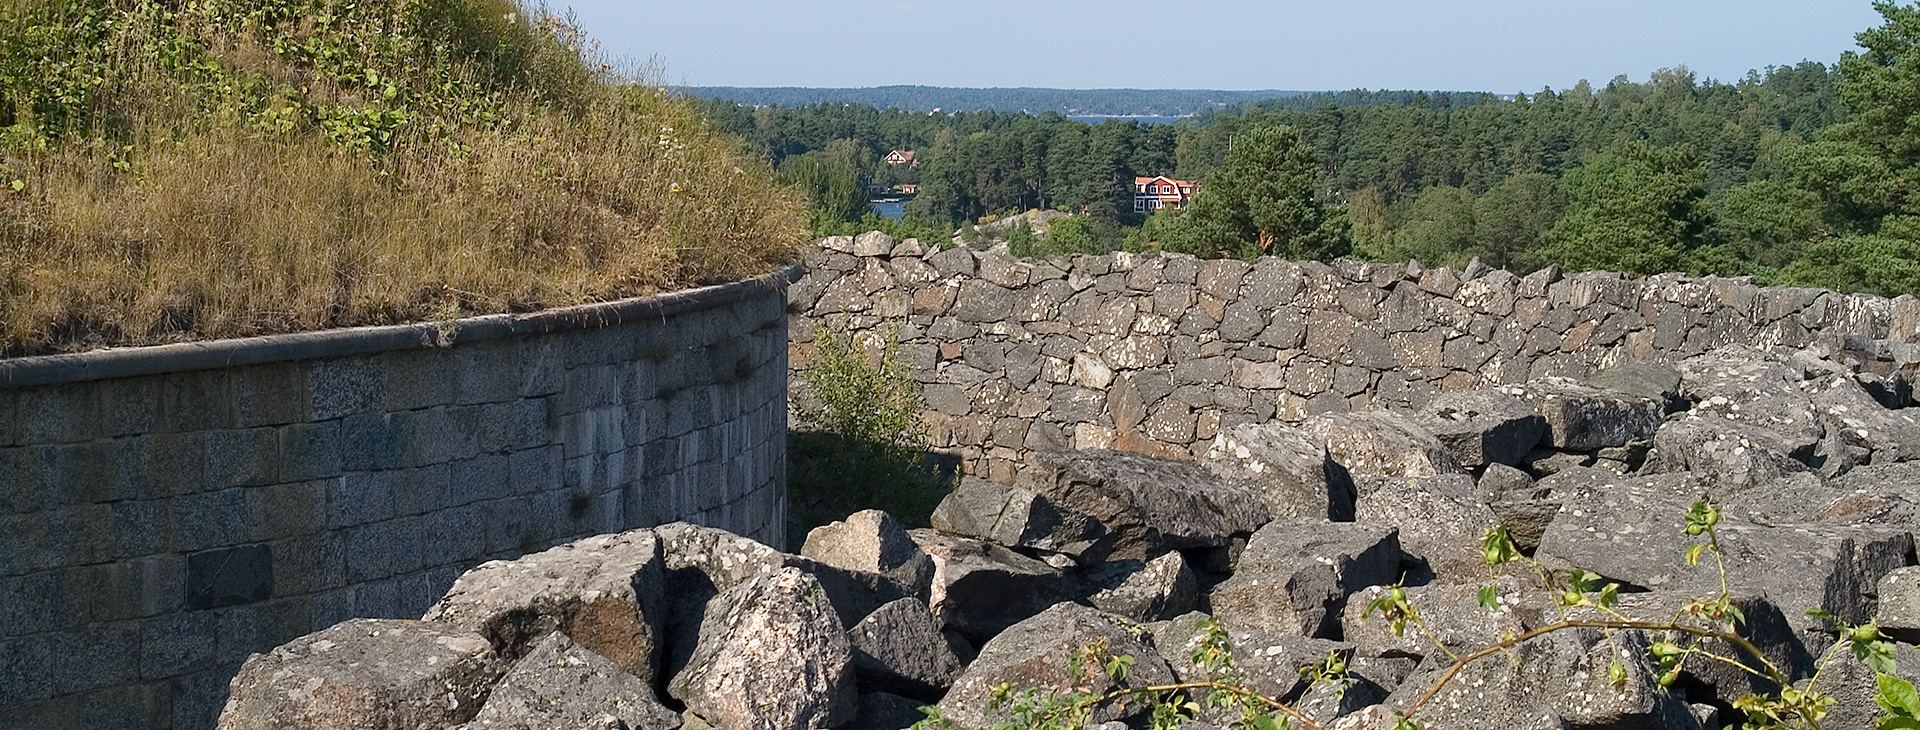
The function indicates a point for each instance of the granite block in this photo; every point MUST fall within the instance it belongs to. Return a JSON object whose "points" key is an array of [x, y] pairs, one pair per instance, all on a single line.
{"points": [[342, 387], [211, 520], [310, 450], [273, 394]]}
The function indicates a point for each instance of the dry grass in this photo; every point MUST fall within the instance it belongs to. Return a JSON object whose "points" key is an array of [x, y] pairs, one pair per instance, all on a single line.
{"points": [[167, 217]]}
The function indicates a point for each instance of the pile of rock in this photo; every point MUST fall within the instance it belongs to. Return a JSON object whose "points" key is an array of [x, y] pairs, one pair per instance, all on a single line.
{"points": [[1281, 535]]}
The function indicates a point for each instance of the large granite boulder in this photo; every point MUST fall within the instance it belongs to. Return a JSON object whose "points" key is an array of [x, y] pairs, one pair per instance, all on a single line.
{"points": [[1734, 454], [980, 589], [1481, 427], [1150, 505], [899, 649], [1632, 530], [1860, 422], [1286, 468], [772, 656], [702, 562], [1156, 590], [1015, 517], [1295, 575], [1584, 418], [1440, 519], [1038, 654], [1744, 385], [1452, 612], [1373, 444], [1651, 380], [872, 541], [562, 686], [604, 592], [1898, 611], [1558, 680], [372, 674], [1853, 687]]}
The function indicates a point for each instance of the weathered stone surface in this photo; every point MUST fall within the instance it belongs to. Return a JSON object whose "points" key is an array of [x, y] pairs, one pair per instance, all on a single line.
{"points": [[1287, 469], [1483, 427], [561, 686], [1745, 385], [772, 656], [604, 592], [1440, 520], [1898, 611], [1014, 517], [1736, 454], [1376, 443], [1295, 575], [1631, 530], [899, 649], [872, 243], [1150, 505], [1584, 418], [1861, 422], [1557, 680], [703, 561], [1154, 591], [1452, 612], [1036, 653], [366, 673], [1652, 380], [871, 541], [979, 588]]}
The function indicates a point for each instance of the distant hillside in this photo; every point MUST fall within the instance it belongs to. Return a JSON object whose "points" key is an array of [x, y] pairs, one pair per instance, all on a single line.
{"points": [[1146, 102]]}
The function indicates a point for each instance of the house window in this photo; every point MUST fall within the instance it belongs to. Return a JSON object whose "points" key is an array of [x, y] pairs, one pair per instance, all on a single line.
{"points": [[1139, 205]]}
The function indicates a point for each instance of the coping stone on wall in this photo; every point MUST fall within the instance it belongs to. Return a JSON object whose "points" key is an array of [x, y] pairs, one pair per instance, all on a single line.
{"points": [[187, 356]]}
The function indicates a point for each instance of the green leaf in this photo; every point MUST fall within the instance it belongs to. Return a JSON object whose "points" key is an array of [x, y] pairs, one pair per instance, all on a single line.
{"points": [[19, 185], [1694, 551], [1489, 598], [1616, 673], [1897, 697]]}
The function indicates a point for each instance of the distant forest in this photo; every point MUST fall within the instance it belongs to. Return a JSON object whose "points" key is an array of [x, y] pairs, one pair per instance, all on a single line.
{"points": [[1106, 102], [1795, 174]]}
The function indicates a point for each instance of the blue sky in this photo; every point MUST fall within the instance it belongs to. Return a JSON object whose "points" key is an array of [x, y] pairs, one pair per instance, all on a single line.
{"points": [[1500, 46]]}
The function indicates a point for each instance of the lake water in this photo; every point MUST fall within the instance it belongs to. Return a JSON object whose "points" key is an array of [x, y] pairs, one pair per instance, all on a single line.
{"points": [[895, 208]]}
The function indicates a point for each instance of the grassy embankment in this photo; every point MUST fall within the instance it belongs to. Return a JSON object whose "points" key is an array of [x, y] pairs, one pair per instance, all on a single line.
{"points": [[219, 168]]}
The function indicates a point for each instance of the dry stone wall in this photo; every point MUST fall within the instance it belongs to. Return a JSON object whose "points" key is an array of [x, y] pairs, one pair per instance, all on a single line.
{"points": [[165, 512], [1158, 353]]}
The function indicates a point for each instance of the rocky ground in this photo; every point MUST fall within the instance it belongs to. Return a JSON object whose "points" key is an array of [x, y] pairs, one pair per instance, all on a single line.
{"points": [[1280, 535]]}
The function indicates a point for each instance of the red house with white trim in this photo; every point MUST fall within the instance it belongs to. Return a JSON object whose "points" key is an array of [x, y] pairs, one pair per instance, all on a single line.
{"points": [[1153, 194]]}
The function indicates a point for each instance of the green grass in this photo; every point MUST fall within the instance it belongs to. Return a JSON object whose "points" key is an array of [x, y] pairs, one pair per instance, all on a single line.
{"points": [[226, 168]]}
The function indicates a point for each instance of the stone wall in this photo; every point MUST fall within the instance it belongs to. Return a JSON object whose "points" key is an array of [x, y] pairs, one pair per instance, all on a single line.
{"points": [[1157, 353], [166, 511]]}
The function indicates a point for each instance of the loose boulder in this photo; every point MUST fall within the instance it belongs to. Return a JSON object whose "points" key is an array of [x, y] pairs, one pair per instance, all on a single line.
{"points": [[772, 656], [872, 541], [1584, 418], [1441, 521], [980, 589], [562, 686], [1373, 444], [1295, 575], [1288, 470], [372, 674], [1481, 427], [1157, 590], [1151, 505], [1557, 680], [1038, 655], [1015, 517], [604, 592], [899, 649]]}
